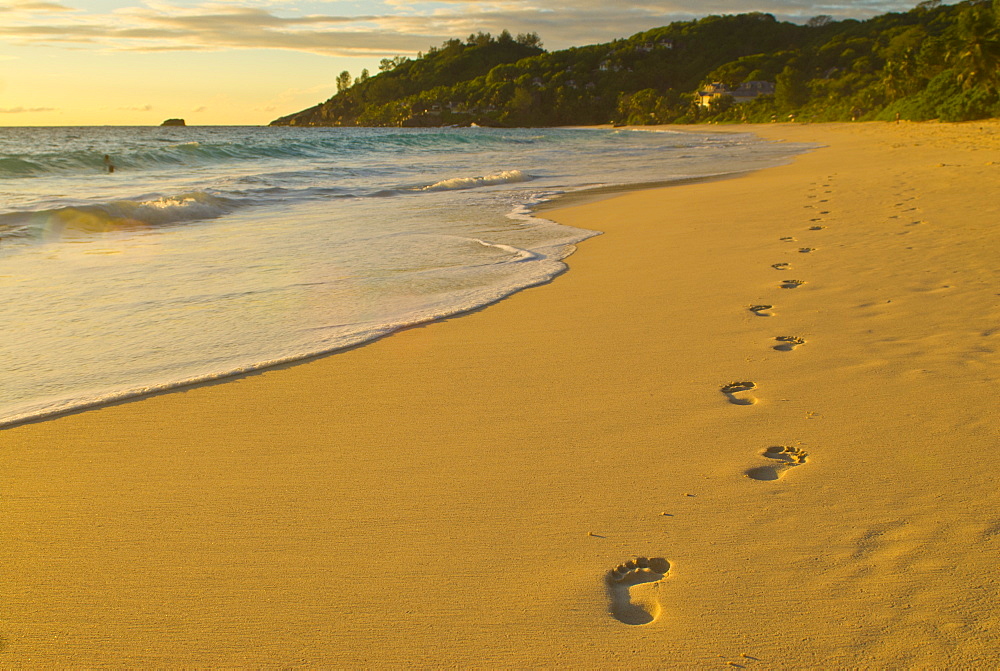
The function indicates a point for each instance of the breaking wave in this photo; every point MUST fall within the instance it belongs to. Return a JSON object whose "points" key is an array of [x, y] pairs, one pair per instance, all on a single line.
{"points": [[118, 215], [505, 177]]}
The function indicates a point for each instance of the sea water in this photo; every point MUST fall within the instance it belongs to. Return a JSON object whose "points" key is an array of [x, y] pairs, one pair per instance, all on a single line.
{"points": [[212, 251]]}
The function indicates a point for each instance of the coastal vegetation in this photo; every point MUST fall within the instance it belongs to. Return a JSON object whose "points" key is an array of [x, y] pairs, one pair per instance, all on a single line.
{"points": [[933, 62]]}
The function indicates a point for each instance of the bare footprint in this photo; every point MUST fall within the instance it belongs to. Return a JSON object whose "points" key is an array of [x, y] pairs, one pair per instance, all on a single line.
{"points": [[816, 228], [762, 310], [786, 457], [633, 588], [781, 266], [737, 392], [792, 284], [788, 238], [806, 250], [788, 343]]}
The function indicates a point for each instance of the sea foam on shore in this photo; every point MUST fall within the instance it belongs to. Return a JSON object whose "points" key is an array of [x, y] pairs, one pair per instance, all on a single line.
{"points": [[214, 251]]}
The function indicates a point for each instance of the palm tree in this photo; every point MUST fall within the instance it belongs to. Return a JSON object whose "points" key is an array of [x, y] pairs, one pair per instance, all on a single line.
{"points": [[896, 77], [975, 51]]}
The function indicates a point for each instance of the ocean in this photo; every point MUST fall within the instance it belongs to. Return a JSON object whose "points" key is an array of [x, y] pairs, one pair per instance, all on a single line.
{"points": [[213, 251]]}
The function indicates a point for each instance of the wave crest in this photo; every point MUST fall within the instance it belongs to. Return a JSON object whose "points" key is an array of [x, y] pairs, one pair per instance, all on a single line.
{"points": [[455, 183], [119, 215]]}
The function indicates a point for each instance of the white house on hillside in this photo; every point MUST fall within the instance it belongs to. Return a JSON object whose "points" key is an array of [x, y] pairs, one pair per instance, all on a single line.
{"points": [[711, 92]]}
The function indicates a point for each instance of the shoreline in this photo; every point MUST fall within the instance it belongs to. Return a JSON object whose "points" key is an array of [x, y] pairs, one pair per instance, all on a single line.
{"points": [[598, 193], [458, 493], [138, 393]]}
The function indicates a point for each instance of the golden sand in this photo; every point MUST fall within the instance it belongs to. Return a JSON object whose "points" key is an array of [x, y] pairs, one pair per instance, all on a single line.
{"points": [[754, 425]]}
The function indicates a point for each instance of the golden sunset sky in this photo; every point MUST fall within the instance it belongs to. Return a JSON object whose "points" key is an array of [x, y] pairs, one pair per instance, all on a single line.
{"points": [[246, 62]]}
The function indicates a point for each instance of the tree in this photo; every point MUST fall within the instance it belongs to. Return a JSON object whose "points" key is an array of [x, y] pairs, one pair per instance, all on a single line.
{"points": [[343, 81], [479, 39], [790, 91], [387, 64], [507, 72], [820, 21], [720, 105], [975, 51], [895, 79], [520, 104], [529, 40]]}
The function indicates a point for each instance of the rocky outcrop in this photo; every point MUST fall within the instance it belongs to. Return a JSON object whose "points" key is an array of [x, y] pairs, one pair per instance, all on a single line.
{"points": [[173, 122]]}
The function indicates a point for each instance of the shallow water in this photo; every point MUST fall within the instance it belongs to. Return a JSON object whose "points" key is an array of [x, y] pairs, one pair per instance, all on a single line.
{"points": [[211, 251]]}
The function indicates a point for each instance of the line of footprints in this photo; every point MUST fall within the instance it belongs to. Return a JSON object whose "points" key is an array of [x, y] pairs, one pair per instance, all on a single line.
{"points": [[741, 393], [633, 587]]}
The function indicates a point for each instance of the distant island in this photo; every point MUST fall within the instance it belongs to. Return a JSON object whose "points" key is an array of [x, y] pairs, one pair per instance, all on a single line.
{"points": [[933, 62], [173, 122]]}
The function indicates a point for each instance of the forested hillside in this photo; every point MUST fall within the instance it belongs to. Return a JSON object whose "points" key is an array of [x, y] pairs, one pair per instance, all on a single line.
{"points": [[935, 61]]}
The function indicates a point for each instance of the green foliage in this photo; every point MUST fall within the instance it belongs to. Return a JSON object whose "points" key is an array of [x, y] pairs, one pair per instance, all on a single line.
{"points": [[650, 106], [975, 48], [790, 90], [945, 99], [343, 81], [387, 64], [970, 104], [935, 61]]}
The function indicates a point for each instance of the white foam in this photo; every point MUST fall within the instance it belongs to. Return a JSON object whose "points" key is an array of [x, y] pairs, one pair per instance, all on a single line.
{"points": [[455, 183], [519, 254], [183, 207], [95, 317]]}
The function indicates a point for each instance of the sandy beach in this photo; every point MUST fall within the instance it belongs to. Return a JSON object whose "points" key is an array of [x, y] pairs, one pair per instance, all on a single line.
{"points": [[808, 484]]}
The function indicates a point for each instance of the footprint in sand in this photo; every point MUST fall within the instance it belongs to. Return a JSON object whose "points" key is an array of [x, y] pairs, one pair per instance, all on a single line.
{"points": [[788, 343], [762, 310], [806, 250], [781, 266], [633, 588], [788, 238], [792, 284], [786, 457], [737, 394], [816, 228]]}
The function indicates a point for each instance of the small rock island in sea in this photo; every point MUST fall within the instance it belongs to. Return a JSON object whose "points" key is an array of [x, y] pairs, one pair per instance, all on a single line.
{"points": [[173, 122]]}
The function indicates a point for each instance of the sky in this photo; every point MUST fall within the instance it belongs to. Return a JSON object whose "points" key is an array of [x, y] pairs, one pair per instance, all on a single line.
{"points": [[247, 62]]}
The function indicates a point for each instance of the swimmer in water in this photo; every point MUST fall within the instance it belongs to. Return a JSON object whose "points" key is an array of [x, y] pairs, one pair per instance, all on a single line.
{"points": [[108, 163]]}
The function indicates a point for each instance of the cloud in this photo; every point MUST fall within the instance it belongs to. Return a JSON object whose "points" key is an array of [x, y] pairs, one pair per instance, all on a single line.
{"points": [[563, 23], [169, 28], [43, 7], [396, 27], [25, 110], [35, 8], [143, 108]]}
